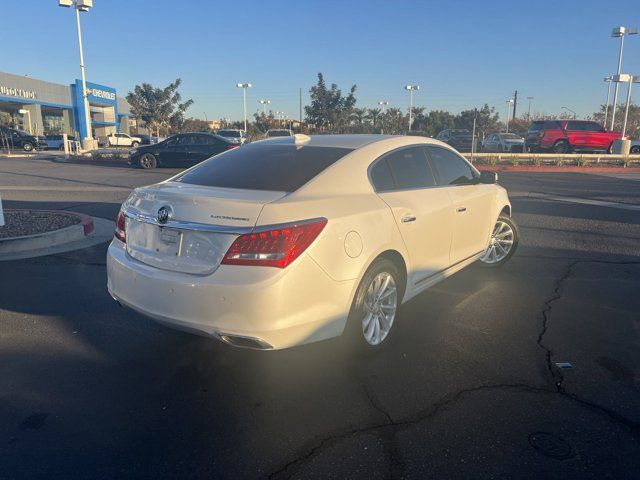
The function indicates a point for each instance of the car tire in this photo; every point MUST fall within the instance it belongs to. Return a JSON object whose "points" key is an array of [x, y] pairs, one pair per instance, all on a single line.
{"points": [[561, 146], [504, 236], [374, 311], [135, 144], [635, 149], [148, 161], [27, 146]]}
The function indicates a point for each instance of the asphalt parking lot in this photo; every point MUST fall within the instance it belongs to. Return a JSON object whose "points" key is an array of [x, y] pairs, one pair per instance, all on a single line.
{"points": [[469, 387]]}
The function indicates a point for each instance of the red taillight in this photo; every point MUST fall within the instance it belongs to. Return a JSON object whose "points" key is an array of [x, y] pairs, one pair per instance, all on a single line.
{"points": [[273, 248], [231, 146], [121, 227]]}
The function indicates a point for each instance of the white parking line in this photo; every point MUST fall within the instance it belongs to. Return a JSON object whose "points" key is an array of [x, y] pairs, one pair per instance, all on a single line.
{"points": [[585, 201]]}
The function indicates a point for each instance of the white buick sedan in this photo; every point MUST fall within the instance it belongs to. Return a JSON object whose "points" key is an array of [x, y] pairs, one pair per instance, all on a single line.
{"points": [[297, 239]]}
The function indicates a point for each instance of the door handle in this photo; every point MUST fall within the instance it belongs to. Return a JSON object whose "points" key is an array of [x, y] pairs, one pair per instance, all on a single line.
{"points": [[461, 209], [408, 218]]}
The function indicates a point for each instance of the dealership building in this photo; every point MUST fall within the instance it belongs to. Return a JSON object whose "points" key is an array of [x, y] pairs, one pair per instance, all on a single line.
{"points": [[55, 108]]}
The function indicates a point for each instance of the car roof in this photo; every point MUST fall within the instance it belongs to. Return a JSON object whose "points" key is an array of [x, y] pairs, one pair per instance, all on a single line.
{"points": [[338, 141]]}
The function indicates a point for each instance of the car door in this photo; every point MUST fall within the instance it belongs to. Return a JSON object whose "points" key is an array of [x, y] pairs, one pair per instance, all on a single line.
{"points": [[576, 134], [472, 202], [423, 213], [597, 137], [170, 151]]}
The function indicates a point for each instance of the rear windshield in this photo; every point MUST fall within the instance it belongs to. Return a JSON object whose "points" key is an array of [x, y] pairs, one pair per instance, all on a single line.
{"points": [[229, 133], [279, 133], [260, 166]]}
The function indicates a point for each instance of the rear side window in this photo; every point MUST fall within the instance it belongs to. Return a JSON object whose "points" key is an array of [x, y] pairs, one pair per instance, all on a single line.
{"points": [[260, 166], [575, 126], [450, 168], [402, 169], [552, 125], [535, 126]]}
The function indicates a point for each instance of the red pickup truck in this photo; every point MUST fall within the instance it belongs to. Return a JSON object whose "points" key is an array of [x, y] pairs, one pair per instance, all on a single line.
{"points": [[564, 136]]}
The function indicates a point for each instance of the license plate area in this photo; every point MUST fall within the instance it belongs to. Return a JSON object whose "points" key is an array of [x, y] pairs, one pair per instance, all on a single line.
{"points": [[169, 241]]}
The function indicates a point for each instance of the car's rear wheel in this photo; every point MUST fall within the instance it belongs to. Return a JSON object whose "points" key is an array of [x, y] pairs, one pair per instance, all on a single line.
{"points": [[635, 149], [148, 161], [135, 144], [561, 146], [27, 146], [375, 306], [503, 242]]}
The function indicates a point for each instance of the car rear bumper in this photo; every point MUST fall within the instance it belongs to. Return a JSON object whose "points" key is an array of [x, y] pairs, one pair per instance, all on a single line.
{"points": [[279, 307]]}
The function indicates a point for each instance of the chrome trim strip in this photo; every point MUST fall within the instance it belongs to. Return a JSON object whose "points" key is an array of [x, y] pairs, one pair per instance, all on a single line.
{"points": [[205, 227]]}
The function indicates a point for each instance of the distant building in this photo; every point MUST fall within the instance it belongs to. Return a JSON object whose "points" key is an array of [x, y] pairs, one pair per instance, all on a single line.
{"points": [[56, 108]]}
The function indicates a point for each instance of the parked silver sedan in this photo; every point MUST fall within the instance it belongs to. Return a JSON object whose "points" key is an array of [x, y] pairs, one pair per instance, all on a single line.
{"points": [[503, 142]]}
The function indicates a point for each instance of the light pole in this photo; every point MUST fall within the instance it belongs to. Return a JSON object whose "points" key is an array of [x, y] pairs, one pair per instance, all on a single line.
{"points": [[206, 119], [411, 88], [82, 6], [244, 87], [529, 110], [509, 102], [26, 112], [279, 118], [383, 105], [569, 110], [606, 107], [619, 32], [264, 106]]}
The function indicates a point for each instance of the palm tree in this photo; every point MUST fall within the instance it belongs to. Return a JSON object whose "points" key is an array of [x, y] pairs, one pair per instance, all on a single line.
{"points": [[373, 114], [358, 115]]}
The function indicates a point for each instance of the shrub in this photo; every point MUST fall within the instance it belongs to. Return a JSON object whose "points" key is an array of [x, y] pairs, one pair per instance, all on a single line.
{"points": [[537, 161], [515, 161], [560, 161]]}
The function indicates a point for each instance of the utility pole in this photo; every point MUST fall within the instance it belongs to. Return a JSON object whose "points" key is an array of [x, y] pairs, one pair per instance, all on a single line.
{"points": [[515, 103], [300, 109], [473, 132]]}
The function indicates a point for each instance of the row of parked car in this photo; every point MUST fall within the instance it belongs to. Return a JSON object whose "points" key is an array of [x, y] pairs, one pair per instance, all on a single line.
{"points": [[553, 136]]}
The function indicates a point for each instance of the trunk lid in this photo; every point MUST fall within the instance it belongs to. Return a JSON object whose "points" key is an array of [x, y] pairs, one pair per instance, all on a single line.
{"points": [[202, 224]]}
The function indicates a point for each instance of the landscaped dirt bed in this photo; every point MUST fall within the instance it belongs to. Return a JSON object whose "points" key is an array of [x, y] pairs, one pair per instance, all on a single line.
{"points": [[20, 223]]}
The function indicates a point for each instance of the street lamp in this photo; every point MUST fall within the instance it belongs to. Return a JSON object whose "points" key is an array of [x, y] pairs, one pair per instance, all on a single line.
{"points": [[24, 111], [383, 105], [509, 103], [529, 110], [619, 32], [244, 87], [628, 79], [411, 88], [279, 117], [606, 107], [569, 110], [82, 6], [264, 106]]}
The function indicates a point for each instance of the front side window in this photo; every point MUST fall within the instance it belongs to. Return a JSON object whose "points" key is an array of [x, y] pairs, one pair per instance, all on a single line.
{"points": [[260, 166], [402, 169], [450, 168], [575, 126]]}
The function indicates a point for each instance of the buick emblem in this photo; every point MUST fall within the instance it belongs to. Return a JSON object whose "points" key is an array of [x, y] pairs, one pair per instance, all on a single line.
{"points": [[164, 214]]}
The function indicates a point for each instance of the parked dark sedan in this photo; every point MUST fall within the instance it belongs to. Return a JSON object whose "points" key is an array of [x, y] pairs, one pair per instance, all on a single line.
{"points": [[459, 139], [12, 138], [182, 150]]}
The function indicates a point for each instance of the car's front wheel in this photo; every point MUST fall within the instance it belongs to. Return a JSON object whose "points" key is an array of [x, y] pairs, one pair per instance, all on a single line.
{"points": [[27, 147], [148, 161], [503, 243], [135, 144], [375, 306]]}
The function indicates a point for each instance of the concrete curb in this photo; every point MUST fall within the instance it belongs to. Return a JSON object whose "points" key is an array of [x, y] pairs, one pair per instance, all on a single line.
{"points": [[48, 239], [103, 233], [542, 168]]}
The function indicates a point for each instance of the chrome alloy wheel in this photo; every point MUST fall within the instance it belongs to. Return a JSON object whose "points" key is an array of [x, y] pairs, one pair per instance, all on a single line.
{"points": [[500, 244], [380, 306]]}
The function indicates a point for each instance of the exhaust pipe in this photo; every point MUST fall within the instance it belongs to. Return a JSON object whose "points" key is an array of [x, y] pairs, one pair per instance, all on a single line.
{"points": [[244, 342]]}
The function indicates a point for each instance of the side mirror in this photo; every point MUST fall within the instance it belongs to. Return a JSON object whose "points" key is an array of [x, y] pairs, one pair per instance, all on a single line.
{"points": [[488, 177]]}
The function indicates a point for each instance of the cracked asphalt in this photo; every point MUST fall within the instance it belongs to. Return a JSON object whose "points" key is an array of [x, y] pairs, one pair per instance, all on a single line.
{"points": [[468, 388]]}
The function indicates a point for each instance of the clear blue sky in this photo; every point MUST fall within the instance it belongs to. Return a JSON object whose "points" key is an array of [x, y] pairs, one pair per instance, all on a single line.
{"points": [[462, 53]]}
